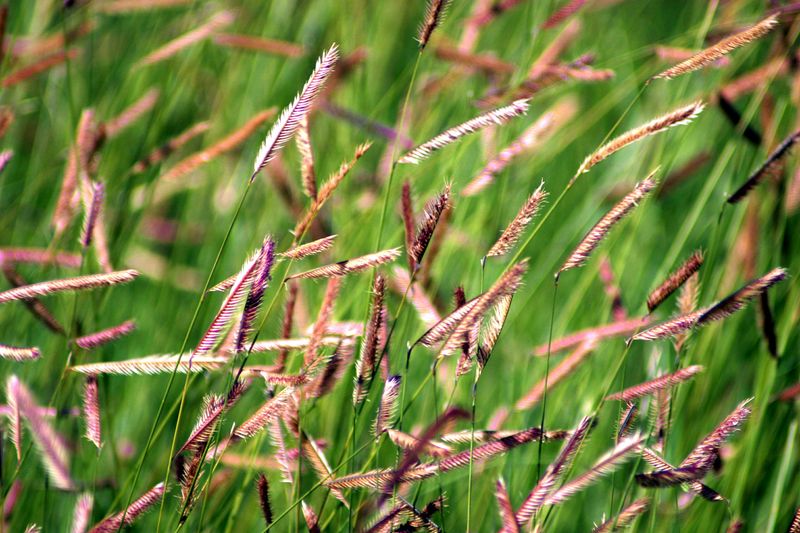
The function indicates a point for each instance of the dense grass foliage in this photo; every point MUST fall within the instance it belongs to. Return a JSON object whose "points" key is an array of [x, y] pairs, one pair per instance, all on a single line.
{"points": [[184, 232]]}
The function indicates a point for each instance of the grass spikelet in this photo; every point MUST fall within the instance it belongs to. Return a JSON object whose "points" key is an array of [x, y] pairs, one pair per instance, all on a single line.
{"points": [[292, 116], [662, 405], [410, 459], [165, 150], [493, 330], [270, 410], [376, 479], [215, 23], [229, 307], [209, 418], [576, 70], [91, 411], [319, 463], [669, 328], [387, 409], [187, 472], [285, 463], [506, 285], [287, 323], [100, 243], [293, 380], [788, 394], [445, 326], [668, 478], [87, 140], [407, 441], [311, 518], [680, 116], [507, 517], [486, 63], [434, 14], [625, 517], [136, 509], [725, 46], [599, 231], [328, 188], [46, 288], [311, 248], [508, 239], [94, 340], [132, 113], [558, 374], [626, 420], [39, 310], [424, 232], [407, 212], [772, 162], [206, 423], [255, 296], [39, 256], [11, 498], [52, 446], [490, 449], [751, 80], [262, 485], [469, 340], [703, 455], [350, 266], [154, 364], [486, 435], [224, 145], [534, 501], [259, 44], [321, 324], [495, 117], [563, 13], [19, 354], [365, 366], [92, 211], [738, 300], [14, 417], [292, 344], [550, 55], [661, 382], [77, 162], [308, 176], [604, 466], [82, 513], [5, 157], [333, 371], [36, 68], [794, 527], [385, 522], [367, 124], [675, 280], [597, 333], [654, 460]]}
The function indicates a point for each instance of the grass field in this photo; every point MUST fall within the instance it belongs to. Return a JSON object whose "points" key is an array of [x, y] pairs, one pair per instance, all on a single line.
{"points": [[184, 227]]}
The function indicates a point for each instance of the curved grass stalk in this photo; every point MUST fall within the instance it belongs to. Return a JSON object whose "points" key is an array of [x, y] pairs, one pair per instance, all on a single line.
{"points": [[185, 342]]}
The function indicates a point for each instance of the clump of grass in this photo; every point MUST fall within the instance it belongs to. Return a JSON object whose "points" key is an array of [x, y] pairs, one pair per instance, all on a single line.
{"points": [[297, 409]]}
